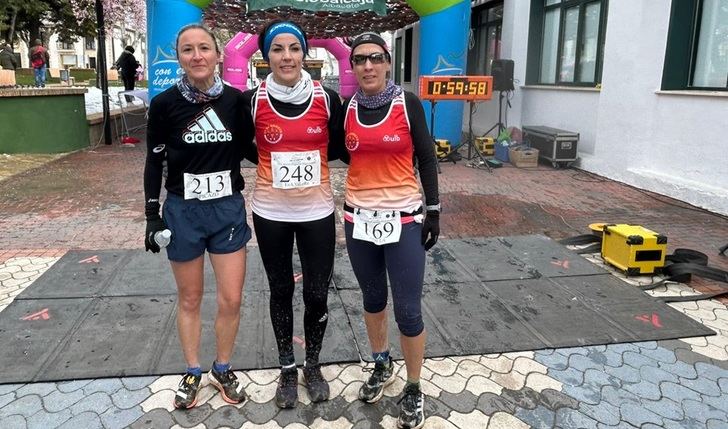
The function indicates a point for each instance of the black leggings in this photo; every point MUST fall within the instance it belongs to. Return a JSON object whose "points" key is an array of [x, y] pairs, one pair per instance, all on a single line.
{"points": [[128, 81], [404, 263], [128, 85], [315, 242]]}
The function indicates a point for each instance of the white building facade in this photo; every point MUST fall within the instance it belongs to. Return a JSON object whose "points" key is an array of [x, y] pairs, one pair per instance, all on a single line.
{"points": [[644, 83], [82, 52]]}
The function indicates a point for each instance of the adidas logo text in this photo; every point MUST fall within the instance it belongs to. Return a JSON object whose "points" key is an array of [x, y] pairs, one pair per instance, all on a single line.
{"points": [[210, 136], [207, 128]]}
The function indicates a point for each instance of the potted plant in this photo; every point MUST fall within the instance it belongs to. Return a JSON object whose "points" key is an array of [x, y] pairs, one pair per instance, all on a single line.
{"points": [[502, 145]]}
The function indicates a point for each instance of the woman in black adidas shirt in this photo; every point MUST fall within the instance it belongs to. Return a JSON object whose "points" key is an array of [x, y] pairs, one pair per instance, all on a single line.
{"points": [[199, 127]]}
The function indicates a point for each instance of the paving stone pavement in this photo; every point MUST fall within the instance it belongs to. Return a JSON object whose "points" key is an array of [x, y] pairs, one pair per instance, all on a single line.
{"points": [[92, 200]]}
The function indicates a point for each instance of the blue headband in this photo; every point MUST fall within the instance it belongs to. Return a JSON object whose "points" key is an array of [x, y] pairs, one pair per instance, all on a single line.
{"points": [[281, 28]]}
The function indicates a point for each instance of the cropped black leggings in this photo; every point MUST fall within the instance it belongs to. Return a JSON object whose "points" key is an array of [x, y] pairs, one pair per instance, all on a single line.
{"points": [[315, 242], [403, 263]]}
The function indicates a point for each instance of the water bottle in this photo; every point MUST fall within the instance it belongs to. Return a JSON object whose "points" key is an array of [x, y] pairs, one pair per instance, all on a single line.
{"points": [[162, 238]]}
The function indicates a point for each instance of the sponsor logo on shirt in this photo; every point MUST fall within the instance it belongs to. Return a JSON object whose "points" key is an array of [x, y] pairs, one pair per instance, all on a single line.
{"points": [[207, 128], [273, 134], [312, 130], [392, 138], [352, 141]]}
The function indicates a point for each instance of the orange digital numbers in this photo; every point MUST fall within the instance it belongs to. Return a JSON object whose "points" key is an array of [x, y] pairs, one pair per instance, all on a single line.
{"points": [[471, 88]]}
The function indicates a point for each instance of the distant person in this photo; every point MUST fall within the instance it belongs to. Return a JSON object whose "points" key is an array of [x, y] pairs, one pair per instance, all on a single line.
{"points": [[39, 60], [127, 66], [7, 58]]}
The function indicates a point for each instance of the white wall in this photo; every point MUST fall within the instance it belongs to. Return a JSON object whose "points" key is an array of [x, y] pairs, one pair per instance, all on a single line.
{"points": [[571, 110], [671, 144], [674, 142]]}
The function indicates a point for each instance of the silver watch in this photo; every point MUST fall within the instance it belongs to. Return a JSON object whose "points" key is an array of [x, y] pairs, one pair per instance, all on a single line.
{"points": [[433, 208]]}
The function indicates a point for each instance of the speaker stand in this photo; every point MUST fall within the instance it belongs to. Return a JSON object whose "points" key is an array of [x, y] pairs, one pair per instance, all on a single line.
{"points": [[471, 143], [432, 134], [499, 125]]}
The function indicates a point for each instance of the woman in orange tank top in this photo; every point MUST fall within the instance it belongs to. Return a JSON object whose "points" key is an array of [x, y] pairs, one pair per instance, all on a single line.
{"points": [[295, 119], [388, 229]]}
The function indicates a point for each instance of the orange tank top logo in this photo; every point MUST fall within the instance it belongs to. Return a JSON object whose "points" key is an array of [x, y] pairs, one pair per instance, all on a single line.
{"points": [[352, 141], [273, 133]]}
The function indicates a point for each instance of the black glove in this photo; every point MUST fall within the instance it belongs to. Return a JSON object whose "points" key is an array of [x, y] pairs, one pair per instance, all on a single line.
{"points": [[153, 226], [431, 228]]}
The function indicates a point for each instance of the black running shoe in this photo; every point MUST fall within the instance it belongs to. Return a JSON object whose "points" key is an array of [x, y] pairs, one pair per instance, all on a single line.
{"points": [[382, 376], [287, 390], [411, 408], [316, 384], [186, 396], [228, 385]]}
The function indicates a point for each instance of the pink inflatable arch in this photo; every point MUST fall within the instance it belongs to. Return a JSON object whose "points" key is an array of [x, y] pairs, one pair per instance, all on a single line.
{"points": [[239, 50]]}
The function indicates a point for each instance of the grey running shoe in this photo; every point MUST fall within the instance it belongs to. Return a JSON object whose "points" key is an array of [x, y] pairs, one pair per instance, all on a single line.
{"points": [[316, 384], [382, 376], [411, 408], [228, 385], [287, 390], [186, 396]]}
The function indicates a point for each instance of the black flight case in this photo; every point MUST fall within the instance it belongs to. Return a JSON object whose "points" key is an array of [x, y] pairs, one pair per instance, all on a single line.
{"points": [[554, 145]]}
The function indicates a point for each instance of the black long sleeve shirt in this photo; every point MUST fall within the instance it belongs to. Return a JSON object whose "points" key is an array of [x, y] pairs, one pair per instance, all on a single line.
{"points": [[196, 139]]}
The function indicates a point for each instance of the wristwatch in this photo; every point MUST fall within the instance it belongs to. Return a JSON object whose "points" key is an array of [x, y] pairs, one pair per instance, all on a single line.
{"points": [[433, 208]]}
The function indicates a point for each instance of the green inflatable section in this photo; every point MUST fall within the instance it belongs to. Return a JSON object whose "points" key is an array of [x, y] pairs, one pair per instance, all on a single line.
{"points": [[428, 7], [200, 3], [422, 7]]}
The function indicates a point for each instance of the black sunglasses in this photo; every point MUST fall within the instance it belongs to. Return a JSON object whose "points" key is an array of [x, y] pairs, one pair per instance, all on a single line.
{"points": [[375, 58]]}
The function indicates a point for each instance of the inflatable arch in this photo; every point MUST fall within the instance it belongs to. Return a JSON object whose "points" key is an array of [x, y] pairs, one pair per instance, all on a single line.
{"points": [[444, 27], [241, 47]]}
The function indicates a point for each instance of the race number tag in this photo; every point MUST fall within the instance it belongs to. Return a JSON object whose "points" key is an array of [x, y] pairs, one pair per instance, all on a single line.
{"points": [[207, 186], [296, 169], [377, 226]]}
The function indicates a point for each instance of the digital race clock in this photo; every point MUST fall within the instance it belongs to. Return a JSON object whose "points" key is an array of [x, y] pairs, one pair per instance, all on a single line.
{"points": [[471, 88]]}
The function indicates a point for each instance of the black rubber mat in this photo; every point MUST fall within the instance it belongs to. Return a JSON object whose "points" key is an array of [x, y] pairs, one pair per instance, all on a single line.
{"points": [[112, 313], [125, 273], [137, 335]]}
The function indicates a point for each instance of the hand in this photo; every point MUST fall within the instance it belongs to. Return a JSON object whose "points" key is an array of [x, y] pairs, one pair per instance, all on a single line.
{"points": [[153, 226], [431, 228]]}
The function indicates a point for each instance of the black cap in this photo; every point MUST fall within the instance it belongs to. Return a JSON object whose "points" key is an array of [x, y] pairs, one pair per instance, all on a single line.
{"points": [[369, 37]]}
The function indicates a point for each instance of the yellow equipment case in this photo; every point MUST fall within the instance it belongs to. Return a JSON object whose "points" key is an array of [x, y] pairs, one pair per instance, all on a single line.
{"points": [[442, 148], [485, 145], [633, 249]]}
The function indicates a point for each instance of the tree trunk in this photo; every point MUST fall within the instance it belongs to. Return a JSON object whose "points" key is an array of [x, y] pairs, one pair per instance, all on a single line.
{"points": [[11, 30], [34, 31]]}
